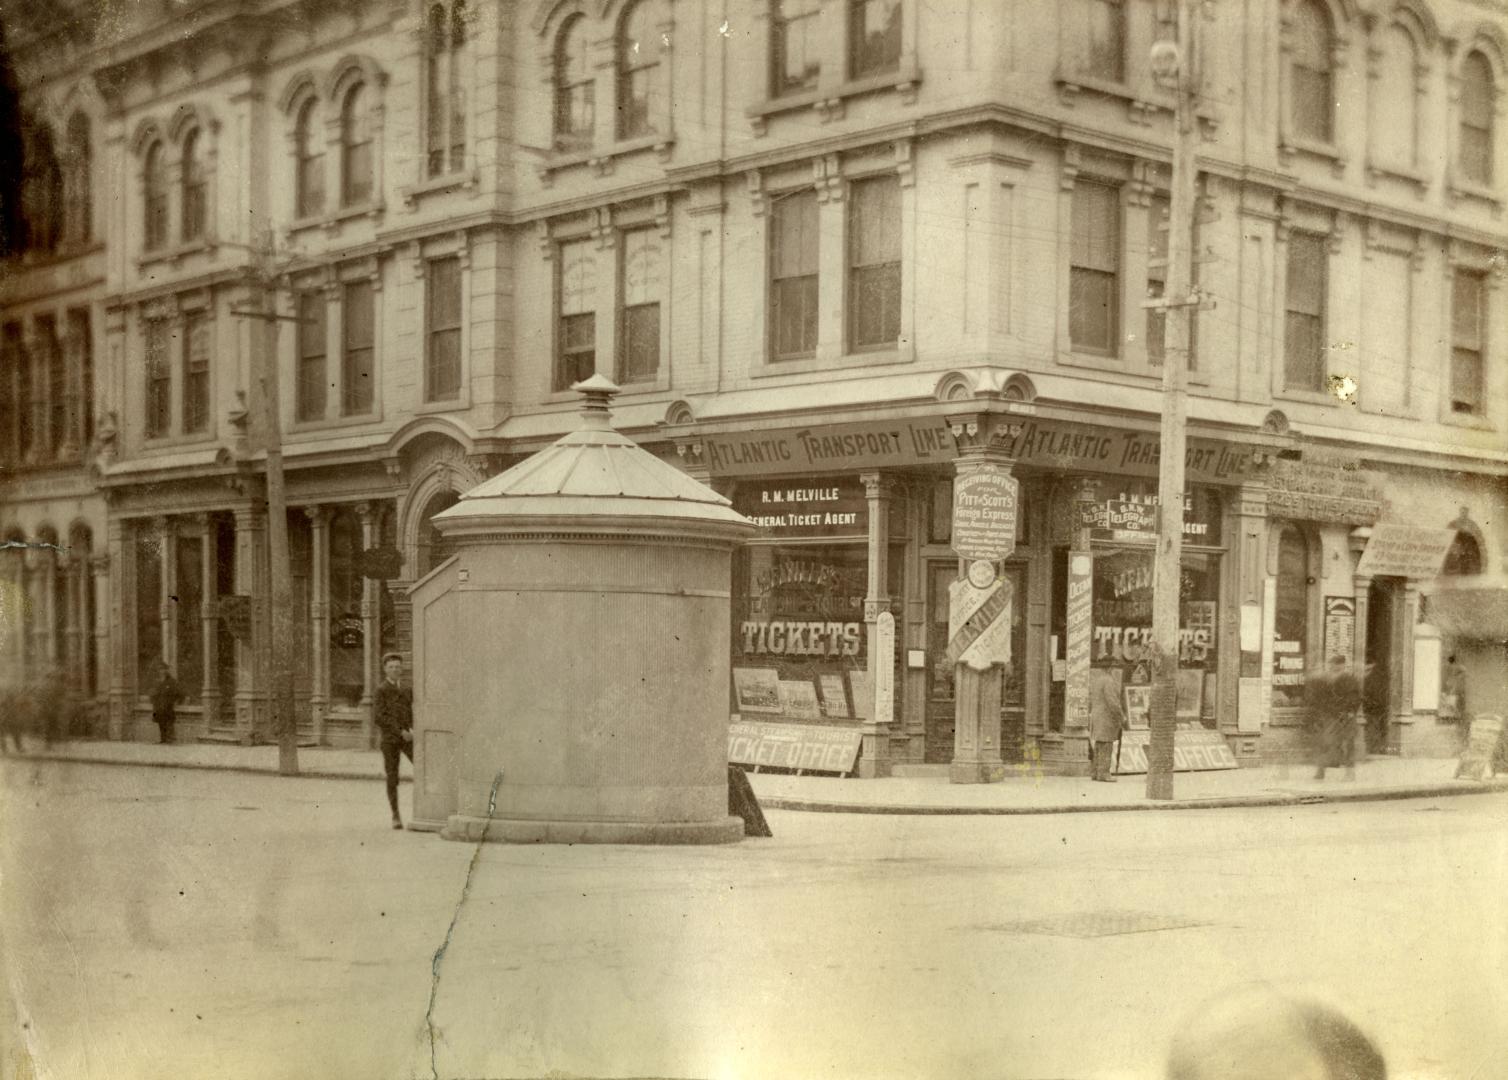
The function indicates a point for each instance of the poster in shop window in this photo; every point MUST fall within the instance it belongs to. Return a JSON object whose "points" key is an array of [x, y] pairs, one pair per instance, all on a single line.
{"points": [[757, 690], [834, 699], [1340, 627], [798, 699]]}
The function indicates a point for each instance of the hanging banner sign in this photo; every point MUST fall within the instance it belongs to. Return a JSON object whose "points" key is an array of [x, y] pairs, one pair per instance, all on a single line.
{"points": [[975, 637], [1405, 551], [984, 513], [1052, 444]]}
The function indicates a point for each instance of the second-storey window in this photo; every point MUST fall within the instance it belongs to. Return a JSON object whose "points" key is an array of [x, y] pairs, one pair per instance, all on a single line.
{"points": [[193, 189], [310, 386], [57, 384], [1466, 340], [442, 359], [874, 37], [639, 291], [575, 112], [1304, 366], [355, 148], [309, 162], [445, 119], [576, 333], [1477, 108], [795, 45], [1094, 269], [11, 404], [638, 62], [155, 197], [1311, 106], [358, 323], [81, 344], [158, 415], [195, 373], [793, 275], [78, 204], [874, 263]]}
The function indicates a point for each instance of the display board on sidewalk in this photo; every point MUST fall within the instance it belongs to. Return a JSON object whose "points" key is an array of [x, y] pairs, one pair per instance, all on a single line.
{"points": [[804, 747], [1195, 750]]}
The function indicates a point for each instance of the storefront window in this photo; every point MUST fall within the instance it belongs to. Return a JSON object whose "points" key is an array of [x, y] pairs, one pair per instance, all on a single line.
{"points": [[1290, 620], [800, 644], [189, 595], [1122, 634], [148, 611], [347, 669]]}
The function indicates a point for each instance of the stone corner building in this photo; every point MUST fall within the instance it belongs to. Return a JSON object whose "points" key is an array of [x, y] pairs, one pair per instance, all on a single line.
{"points": [[818, 247]]}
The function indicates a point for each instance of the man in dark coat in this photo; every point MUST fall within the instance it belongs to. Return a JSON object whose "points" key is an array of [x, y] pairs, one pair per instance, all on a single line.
{"points": [[1106, 720], [165, 695], [393, 713], [1332, 697]]}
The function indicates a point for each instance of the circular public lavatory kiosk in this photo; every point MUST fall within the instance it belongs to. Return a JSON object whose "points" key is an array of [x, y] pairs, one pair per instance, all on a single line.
{"points": [[571, 659]]}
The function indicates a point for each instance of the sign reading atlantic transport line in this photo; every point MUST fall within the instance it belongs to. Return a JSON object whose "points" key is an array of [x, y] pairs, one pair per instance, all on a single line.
{"points": [[984, 513]]}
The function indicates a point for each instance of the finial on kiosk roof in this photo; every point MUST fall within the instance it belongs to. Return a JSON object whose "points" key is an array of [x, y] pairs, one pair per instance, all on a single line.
{"points": [[597, 393]]}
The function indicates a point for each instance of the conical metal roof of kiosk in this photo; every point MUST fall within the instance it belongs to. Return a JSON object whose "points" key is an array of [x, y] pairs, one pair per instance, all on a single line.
{"points": [[594, 476]]}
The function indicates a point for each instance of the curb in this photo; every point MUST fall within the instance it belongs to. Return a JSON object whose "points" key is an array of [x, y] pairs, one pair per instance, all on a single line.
{"points": [[1420, 791], [819, 806]]}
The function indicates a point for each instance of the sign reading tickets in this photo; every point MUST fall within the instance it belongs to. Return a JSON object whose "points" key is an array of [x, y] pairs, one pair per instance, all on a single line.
{"points": [[806, 747], [1405, 551], [984, 513]]}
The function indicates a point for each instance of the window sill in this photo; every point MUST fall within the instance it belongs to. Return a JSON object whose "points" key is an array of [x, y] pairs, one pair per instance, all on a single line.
{"points": [[828, 99], [463, 180], [771, 369], [1376, 172], [604, 160], [300, 427], [450, 405], [334, 219], [173, 442], [172, 254], [1312, 397], [1293, 145], [660, 384], [1142, 102], [1464, 190], [1474, 421]]}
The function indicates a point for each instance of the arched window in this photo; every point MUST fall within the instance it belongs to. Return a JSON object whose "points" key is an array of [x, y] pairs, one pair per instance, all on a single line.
{"points": [[574, 101], [1477, 94], [155, 197], [1311, 106], [1396, 101], [445, 119], [193, 206], [42, 191], [638, 48], [1464, 556], [1291, 619], [308, 162], [78, 206], [355, 148], [434, 548]]}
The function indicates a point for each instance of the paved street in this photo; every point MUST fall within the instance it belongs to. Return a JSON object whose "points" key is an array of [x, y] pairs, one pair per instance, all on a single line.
{"points": [[162, 922]]}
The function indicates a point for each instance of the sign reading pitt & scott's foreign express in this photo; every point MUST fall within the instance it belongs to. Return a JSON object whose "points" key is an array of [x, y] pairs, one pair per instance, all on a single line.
{"points": [[984, 514]]}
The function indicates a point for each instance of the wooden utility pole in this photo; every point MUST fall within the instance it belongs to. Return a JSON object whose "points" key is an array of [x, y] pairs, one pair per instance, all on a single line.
{"points": [[1179, 301], [284, 721]]}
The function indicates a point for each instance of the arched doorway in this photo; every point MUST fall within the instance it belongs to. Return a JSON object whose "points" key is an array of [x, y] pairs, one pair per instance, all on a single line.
{"points": [[432, 548]]}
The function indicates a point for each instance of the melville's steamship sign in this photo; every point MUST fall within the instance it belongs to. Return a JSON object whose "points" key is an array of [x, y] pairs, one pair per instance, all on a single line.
{"points": [[1053, 444]]}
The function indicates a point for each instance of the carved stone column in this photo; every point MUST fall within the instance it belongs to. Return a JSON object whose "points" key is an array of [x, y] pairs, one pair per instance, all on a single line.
{"points": [[1408, 738], [368, 515], [73, 622], [120, 680], [319, 617], [209, 619], [100, 626], [167, 561], [874, 757], [253, 657], [47, 610], [1250, 546]]}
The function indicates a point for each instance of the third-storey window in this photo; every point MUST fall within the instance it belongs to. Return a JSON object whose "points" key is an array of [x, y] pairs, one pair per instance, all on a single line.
{"points": [[874, 263], [576, 334], [195, 373], [355, 148], [358, 323], [575, 105], [155, 197], [795, 45], [193, 188], [309, 396], [159, 387], [442, 360], [793, 275], [1304, 366], [445, 119], [639, 290], [1096, 33], [1466, 341], [1477, 108], [874, 37], [1094, 274], [638, 64], [1310, 82], [309, 162]]}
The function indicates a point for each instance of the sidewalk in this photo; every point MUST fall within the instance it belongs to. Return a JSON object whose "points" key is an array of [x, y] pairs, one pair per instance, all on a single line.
{"points": [[1020, 793]]}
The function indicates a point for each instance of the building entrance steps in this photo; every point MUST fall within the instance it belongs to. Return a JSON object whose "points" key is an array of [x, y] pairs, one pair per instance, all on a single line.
{"points": [[1021, 792]]}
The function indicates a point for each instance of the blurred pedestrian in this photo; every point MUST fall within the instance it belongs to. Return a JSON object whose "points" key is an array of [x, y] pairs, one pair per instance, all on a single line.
{"points": [[1453, 698], [14, 709], [1374, 705], [165, 698], [393, 713], [1107, 718], [1257, 1033], [1332, 697]]}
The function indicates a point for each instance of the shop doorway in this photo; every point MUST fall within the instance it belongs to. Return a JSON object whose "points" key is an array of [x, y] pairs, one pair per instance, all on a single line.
{"points": [[1379, 680], [940, 714]]}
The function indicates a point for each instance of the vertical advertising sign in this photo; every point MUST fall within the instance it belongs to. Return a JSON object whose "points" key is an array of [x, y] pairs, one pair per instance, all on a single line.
{"points": [[1078, 632], [1340, 627], [984, 513], [883, 659]]}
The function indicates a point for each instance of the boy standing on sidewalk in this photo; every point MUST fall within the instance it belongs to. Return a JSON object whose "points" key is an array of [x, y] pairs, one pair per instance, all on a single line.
{"points": [[393, 713]]}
